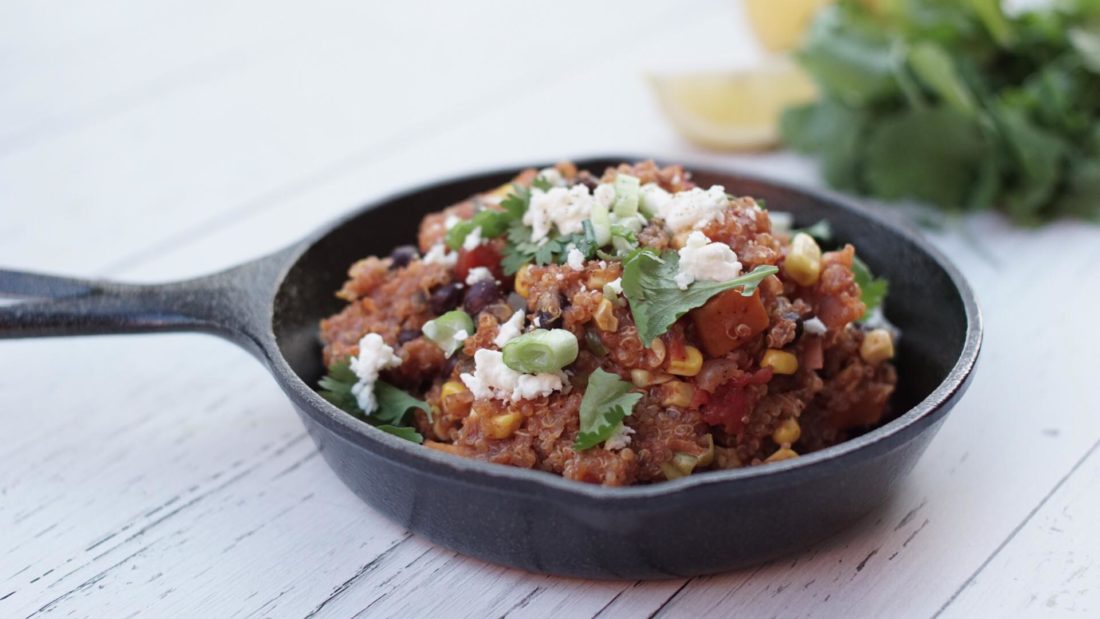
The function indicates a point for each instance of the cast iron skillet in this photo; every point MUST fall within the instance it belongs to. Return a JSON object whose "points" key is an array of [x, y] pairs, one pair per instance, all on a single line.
{"points": [[696, 525]]}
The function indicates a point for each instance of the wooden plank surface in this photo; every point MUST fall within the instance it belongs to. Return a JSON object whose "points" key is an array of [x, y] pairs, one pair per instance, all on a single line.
{"points": [[166, 475]]}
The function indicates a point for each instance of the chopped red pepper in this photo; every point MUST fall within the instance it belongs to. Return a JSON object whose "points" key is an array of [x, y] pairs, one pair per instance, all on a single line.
{"points": [[480, 256], [732, 402]]}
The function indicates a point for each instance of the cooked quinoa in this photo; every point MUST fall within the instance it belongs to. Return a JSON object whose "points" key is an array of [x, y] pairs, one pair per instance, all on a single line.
{"points": [[781, 366]]}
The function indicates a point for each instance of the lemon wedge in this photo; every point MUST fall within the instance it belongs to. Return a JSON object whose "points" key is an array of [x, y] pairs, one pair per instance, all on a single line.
{"points": [[779, 24], [733, 110]]}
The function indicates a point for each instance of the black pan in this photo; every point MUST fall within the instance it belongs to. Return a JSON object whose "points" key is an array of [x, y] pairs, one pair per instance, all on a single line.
{"points": [[700, 524]]}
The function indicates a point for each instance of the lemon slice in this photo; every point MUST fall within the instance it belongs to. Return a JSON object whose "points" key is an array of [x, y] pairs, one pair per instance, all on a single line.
{"points": [[779, 24], [733, 110]]}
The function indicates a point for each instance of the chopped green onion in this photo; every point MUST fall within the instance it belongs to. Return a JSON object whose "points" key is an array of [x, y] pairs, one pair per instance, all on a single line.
{"points": [[450, 330], [601, 224], [627, 192], [541, 350]]}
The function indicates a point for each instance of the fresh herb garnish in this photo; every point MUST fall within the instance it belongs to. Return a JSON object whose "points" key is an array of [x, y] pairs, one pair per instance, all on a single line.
{"points": [[393, 403], [493, 222], [656, 301], [554, 249], [873, 289], [607, 400], [957, 104]]}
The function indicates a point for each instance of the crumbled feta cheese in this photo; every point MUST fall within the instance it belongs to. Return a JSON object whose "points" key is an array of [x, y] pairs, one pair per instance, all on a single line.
{"points": [[479, 274], [565, 209], [693, 209], [451, 221], [438, 254], [493, 379], [374, 356], [701, 260], [472, 240], [552, 176], [604, 195], [510, 329], [619, 439], [574, 259], [781, 222], [814, 326], [654, 198], [614, 286]]}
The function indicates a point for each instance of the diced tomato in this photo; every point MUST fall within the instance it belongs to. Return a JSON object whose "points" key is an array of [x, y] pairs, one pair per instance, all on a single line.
{"points": [[480, 256], [732, 402]]}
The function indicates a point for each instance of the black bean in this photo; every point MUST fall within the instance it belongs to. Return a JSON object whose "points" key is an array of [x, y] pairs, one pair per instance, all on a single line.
{"points": [[451, 363], [584, 177], [445, 298], [480, 295], [546, 320], [407, 335], [402, 256], [793, 316]]}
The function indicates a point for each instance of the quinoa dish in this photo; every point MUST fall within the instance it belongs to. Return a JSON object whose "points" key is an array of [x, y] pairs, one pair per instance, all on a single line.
{"points": [[614, 327]]}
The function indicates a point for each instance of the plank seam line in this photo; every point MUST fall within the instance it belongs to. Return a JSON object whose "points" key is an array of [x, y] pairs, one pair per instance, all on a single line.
{"points": [[363, 571], [1016, 531]]}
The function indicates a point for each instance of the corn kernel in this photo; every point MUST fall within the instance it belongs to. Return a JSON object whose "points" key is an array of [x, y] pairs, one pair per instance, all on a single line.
{"points": [[803, 262], [877, 346], [781, 362], [681, 465], [502, 191], [783, 453], [522, 282], [679, 240], [787, 433], [451, 387], [605, 316], [505, 425], [597, 280], [689, 365], [677, 393], [708, 455], [641, 378]]}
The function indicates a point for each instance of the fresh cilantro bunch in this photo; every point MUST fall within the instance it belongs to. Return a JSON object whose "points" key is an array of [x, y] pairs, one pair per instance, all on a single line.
{"points": [[955, 103]]}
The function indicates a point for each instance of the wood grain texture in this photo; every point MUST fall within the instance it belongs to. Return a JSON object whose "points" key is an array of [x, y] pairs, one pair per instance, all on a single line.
{"points": [[167, 476]]}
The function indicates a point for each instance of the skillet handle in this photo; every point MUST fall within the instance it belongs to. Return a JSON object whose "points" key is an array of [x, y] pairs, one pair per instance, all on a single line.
{"points": [[235, 304]]}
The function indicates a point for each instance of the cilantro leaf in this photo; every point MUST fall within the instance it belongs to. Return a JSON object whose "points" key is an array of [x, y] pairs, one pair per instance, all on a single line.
{"points": [[821, 231], [607, 400], [872, 289], [656, 301], [408, 434], [393, 403]]}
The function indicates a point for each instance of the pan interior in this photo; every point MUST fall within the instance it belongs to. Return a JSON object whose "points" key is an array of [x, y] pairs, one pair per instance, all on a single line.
{"points": [[923, 301]]}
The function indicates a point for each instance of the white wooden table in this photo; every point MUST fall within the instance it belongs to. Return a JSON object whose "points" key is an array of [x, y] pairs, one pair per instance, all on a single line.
{"points": [[167, 476]]}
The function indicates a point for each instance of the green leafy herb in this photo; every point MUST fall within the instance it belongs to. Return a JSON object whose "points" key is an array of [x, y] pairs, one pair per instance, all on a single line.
{"points": [[656, 301], [552, 250], [393, 403], [956, 104], [607, 400], [821, 231], [873, 289]]}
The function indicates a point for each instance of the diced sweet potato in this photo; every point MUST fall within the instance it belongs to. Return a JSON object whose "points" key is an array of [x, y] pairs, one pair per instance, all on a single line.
{"points": [[729, 320]]}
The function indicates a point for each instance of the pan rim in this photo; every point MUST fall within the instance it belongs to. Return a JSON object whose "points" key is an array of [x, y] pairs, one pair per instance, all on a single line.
{"points": [[519, 480]]}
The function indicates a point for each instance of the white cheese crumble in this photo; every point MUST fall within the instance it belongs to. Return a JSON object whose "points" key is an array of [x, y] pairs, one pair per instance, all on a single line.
{"points": [[552, 176], [374, 356], [604, 195], [701, 260], [493, 379], [479, 274], [510, 329], [654, 198], [619, 439], [693, 209], [614, 286], [451, 221], [814, 326], [574, 259], [472, 240], [565, 209], [438, 254]]}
